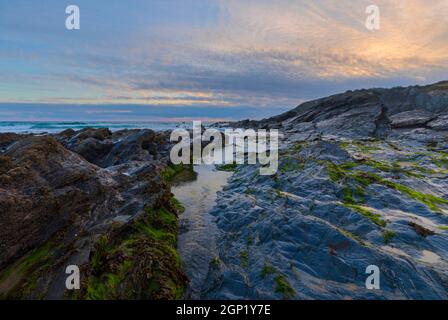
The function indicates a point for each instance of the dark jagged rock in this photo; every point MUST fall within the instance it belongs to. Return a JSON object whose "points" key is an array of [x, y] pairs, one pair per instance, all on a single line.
{"points": [[440, 123], [6, 139], [413, 118], [107, 149], [100, 203], [356, 113]]}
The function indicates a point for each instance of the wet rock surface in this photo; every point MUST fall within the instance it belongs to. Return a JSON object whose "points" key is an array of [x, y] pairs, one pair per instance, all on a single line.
{"points": [[362, 180], [90, 198]]}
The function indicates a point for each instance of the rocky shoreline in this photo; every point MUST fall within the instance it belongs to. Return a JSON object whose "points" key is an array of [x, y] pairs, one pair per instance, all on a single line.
{"points": [[91, 198], [362, 180]]}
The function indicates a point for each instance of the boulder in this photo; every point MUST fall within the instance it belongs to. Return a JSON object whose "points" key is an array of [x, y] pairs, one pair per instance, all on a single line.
{"points": [[440, 123], [413, 118]]}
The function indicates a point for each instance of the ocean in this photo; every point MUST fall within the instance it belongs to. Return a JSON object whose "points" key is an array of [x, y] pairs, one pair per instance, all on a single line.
{"points": [[55, 127]]}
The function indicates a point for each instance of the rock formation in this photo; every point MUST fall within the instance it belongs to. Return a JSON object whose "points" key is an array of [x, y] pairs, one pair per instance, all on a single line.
{"points": [[94, 199], [362, 180]]}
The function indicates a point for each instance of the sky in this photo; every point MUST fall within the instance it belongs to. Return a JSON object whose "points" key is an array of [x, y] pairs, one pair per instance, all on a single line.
{"points": [[210, 59]]}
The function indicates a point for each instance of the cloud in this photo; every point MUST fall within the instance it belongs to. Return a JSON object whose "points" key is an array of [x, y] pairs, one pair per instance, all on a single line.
{"points": [[226, 53]]}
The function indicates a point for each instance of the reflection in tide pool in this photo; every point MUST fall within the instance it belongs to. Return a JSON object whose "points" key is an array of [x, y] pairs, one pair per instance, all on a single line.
{"points": [[197, 238]]}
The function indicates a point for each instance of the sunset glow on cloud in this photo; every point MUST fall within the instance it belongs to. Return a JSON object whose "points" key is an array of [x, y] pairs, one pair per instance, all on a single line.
{"points": [[234, 54]]}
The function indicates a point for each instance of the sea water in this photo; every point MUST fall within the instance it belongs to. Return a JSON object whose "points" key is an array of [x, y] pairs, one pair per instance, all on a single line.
{"points": [[55, 127]]}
